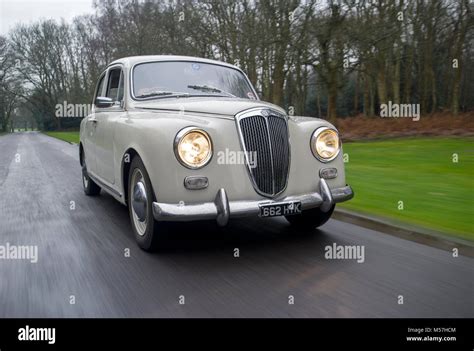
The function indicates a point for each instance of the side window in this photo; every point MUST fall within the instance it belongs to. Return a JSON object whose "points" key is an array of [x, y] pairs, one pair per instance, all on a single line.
{"points": [[99, 87], [115, 85]]}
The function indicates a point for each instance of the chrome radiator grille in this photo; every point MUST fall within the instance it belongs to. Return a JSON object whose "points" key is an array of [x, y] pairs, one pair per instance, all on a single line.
{"points": [[265, 134]]}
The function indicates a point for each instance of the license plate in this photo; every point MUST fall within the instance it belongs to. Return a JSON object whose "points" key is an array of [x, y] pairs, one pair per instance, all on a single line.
{"points": [[280, 209]]}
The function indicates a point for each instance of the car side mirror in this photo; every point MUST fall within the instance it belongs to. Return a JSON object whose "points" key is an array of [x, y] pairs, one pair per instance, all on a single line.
{"points": [[102, 101]]}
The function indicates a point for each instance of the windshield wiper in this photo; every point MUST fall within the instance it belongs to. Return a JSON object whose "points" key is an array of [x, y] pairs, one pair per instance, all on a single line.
{"points": [[208, 89], [162, 93]]}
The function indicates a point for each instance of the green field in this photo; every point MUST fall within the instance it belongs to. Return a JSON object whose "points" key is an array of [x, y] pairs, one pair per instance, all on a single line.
{"points": [[71, 137], [436, 192]]}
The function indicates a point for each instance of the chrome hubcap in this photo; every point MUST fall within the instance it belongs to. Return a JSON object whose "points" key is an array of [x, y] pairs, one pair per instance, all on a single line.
{"points": [[139, 202], [85, 177]]}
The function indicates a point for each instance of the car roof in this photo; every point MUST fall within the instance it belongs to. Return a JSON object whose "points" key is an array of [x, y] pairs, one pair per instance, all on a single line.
{"points": [[132, 60]]}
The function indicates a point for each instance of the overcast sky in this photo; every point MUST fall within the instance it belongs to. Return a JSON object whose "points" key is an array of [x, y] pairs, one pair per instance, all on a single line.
{"points": [[25, 11]]}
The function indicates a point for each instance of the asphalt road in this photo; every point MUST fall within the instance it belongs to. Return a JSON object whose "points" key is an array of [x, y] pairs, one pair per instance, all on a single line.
{"points": [[81, 252]]}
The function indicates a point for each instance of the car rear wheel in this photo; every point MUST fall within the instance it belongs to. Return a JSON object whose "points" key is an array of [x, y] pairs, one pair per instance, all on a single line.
{"points": [[310, 219], [140, 200]]}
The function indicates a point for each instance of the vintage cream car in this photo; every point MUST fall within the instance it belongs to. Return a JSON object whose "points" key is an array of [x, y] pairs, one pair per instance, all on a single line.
{"points": [[183, 139]]}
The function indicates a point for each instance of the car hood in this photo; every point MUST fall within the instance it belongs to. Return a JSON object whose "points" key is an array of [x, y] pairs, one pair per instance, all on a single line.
{"points": [[217, 106]]}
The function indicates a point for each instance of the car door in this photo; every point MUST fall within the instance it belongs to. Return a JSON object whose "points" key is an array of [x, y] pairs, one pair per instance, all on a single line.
{"points": [[106, 120], [91, 130]]}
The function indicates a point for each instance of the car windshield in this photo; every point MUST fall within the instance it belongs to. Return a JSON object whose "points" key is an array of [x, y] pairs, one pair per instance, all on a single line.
{"points": [[183, 78]]}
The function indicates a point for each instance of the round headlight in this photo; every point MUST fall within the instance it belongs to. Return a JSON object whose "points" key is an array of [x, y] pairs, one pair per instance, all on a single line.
{"points": [[325, 144], [193, 147]]}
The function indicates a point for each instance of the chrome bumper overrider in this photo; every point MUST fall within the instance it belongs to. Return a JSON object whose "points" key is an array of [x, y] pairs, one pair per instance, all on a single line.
{"points": [[222, 209]]}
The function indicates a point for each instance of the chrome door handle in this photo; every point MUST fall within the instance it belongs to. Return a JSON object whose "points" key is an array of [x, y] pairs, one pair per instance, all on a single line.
{"points": [[94, 120]]}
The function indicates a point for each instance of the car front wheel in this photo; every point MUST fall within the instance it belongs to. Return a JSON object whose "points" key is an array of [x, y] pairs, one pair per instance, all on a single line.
{"points": [[311, 218], [140, 200]]}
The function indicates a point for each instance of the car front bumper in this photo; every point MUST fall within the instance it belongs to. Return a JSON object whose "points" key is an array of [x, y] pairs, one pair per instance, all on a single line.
{"points": [[222, 209]]}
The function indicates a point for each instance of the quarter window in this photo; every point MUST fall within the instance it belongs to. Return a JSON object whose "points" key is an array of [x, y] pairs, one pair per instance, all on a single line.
{"points": [[100, 86], [115, 85]]}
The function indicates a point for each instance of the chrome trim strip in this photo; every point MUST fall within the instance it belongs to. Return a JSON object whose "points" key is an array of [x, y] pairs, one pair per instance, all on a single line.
{"points": [[342, 194], [222, 209], [174, 212], [104, 186], [271, 155], [222, 206], [326, 194]]}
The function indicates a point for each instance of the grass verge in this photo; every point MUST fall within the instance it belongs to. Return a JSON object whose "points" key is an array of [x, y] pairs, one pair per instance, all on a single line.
{"points": [[415, 180], [71, 137]]}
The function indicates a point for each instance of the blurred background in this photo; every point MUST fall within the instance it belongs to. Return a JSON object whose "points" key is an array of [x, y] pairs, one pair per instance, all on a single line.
{"points": [[337, 60]]}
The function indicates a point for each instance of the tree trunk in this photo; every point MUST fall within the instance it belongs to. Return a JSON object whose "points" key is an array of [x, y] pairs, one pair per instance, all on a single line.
{"points": [[434, 100], [459, 42], [408, 75], [456, 89], [365, 80], [318, 100], [332, 99], [381, 86], [396, 76], [278, 79], [356, 96], [372, 99], [58, 123]]}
